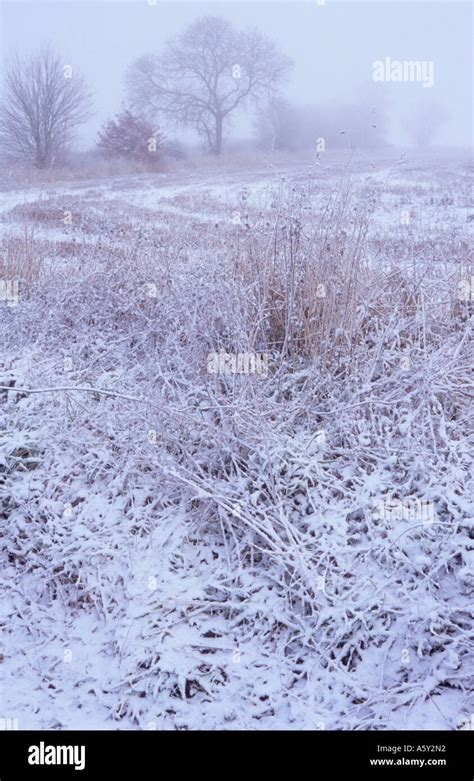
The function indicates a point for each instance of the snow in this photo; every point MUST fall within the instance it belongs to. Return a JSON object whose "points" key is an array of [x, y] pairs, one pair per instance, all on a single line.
{"points": [[230, 571]]}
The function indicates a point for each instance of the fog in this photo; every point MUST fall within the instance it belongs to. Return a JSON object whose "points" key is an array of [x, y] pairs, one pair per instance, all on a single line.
{"points": [[333, 44], [235, 377]]}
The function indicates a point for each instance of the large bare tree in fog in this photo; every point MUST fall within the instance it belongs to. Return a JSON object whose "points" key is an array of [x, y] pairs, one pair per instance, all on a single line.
{"points": [[205, 74], [43, 103]]}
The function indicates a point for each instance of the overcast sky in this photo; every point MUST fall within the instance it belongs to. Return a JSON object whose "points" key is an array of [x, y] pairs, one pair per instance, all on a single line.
{"points": [[333, 45]]}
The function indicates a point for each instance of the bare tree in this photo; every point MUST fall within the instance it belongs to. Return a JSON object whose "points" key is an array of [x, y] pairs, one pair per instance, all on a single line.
{"points": [[423, 121], [277, 125], [43, 103], [205, 74]]}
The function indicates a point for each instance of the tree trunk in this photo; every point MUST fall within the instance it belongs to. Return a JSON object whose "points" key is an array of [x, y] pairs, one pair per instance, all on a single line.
{"points": [[218, 144]]}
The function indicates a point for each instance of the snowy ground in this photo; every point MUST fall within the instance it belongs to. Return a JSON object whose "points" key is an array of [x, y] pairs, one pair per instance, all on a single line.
{"points": [[183, 550]]}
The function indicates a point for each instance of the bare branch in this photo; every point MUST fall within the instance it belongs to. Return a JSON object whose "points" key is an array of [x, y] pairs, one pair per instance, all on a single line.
{"points": [[43, 103], [193, 83]]}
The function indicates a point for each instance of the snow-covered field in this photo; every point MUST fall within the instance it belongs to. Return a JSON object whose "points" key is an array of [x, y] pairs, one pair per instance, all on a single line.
{"points": [[188, 550]]}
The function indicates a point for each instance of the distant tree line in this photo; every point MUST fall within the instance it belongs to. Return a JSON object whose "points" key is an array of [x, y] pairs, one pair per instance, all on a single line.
{"points": [[282, 126], [201, 80]]}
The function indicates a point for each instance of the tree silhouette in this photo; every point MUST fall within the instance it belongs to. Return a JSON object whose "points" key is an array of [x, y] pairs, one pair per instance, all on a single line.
{"points": [[43, 103], [131, 137], [205, 74]]}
